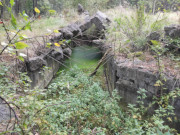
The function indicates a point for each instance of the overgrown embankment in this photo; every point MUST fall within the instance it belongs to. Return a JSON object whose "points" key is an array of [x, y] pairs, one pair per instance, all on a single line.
{"points": [[75, 104]]}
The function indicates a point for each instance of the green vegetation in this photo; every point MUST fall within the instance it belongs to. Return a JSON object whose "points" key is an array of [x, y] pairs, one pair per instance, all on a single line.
{"points": [[50, 6], [130, 31], [74, 104], [134, 28]]}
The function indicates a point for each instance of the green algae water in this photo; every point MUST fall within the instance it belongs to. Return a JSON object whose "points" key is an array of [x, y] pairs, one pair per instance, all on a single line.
{"points": [[84, 57]]}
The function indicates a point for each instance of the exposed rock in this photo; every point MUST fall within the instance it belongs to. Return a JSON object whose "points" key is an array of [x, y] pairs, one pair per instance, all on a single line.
{"points": [[66, 33], [168, 29], [57, 54], [85, 25], [177, 106], [70, 31], [172, 31], [80, 9], [67, 52], [153, 36], [175, 33], [4, 112], [56, 37], [97, 42], [35, 63], [100, 20], [86, 13]]}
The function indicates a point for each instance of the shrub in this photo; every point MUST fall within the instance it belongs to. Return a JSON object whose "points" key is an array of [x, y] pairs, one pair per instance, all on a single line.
{"points": [[74, 104]]}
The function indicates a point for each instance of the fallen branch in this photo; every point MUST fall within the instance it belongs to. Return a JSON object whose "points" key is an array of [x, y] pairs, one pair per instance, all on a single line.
{"points": [[100, 62], [107, 82]]}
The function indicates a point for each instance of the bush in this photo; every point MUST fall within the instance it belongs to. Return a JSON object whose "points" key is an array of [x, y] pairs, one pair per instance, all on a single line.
{"points": [[74, 104]]}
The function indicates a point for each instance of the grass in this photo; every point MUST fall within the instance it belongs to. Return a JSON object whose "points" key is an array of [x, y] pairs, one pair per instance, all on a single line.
{"points": [[123, 36], [120, 36], [40, 27], [118, 11], [43, 25]]}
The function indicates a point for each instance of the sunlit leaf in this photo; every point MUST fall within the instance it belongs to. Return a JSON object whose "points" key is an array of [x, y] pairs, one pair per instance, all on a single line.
{"points": [[23, 36], [37, 10], [56, 44], [21, 58], [13, 21], [156, 85], [21, 45], [155, 42], [28, 26], [25, 16], [68, 41], [56, 31], [134, 116], [52, 11], [12, 3], [169, 119], [1, 4], [49, 45]]}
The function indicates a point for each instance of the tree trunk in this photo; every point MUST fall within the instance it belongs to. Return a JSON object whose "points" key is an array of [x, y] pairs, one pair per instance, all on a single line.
{"points": [[34, 5], [2, 12], [34, 13], [17, 7], [154, 7]]}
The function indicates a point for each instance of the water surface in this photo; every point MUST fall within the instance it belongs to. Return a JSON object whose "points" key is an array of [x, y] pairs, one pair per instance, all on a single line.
{"points": [[84, 57]]}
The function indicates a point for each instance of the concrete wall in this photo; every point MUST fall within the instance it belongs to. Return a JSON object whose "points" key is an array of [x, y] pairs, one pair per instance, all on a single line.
{"points": [[128, 80], [43, 76], [35, 65], [41, 69]]}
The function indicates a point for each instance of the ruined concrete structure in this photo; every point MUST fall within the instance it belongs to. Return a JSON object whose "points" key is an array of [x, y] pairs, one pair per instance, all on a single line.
{"points": [[55, 56], [127, 80]]}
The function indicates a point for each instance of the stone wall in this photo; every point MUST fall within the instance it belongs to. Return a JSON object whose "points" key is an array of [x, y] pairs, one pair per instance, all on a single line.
{"points": [[55, 56], [4, 112], [42, 76], [128, 80]]}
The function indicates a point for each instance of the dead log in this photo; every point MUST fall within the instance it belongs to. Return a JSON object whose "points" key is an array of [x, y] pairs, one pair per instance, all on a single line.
{"points": [[100, 62]]}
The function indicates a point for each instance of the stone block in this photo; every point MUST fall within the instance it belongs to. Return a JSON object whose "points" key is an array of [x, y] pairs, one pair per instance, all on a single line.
{"points": [[35, 63]]}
